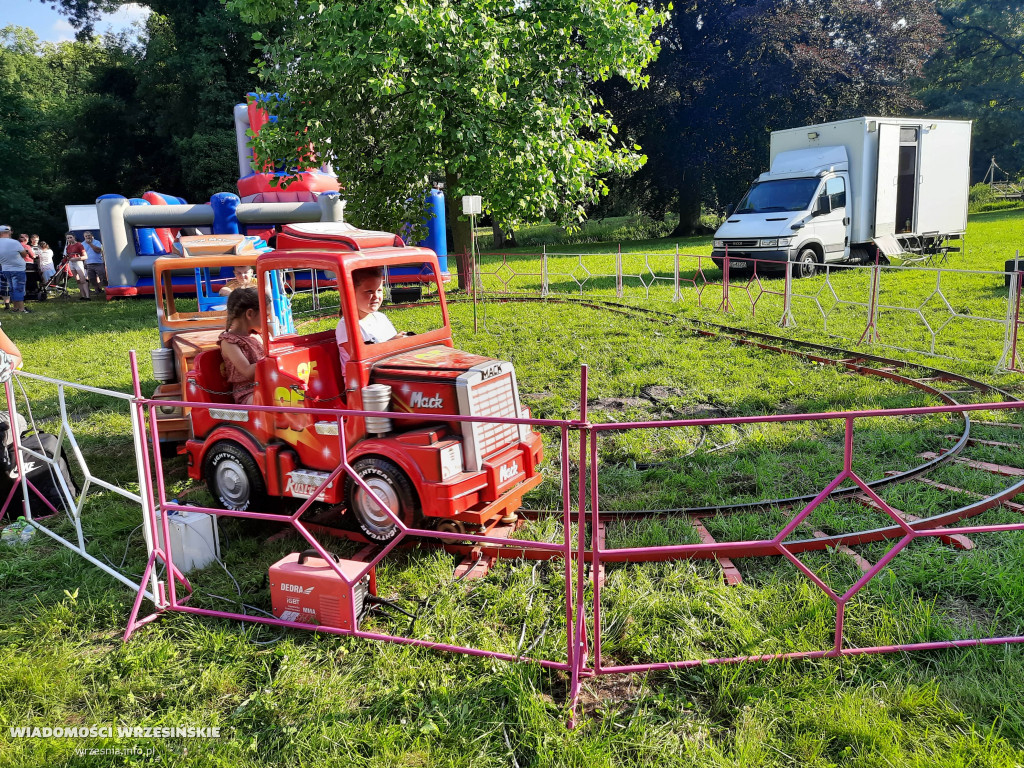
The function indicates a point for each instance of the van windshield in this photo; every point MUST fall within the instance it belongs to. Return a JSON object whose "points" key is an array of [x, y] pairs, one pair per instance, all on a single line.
{"points": [[779, 195]]}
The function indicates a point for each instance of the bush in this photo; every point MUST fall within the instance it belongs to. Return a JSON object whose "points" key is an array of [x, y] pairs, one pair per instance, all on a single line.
{"points": [[983, 199], [612, 229], [996, 205], [981, 194]]}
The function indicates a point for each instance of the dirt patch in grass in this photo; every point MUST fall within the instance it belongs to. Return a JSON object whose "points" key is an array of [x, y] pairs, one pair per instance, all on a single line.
{"points": [[658, 393], [965, 615], [600, 694], [617, 403]]}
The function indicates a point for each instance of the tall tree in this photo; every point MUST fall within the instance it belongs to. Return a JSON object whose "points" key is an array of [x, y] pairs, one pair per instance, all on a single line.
{"points": [[193, 68], [979, 74], [490, 96], [732, 71], [67, 115]]}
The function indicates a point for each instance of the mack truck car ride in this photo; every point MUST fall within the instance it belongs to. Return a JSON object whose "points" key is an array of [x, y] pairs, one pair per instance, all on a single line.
{"points": [[450, 475], [849, 190]]}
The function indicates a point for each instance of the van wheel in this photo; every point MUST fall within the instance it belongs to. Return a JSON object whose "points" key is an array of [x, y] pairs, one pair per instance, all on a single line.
{"points": [[391, 486], [806, 264], [233, 477]]}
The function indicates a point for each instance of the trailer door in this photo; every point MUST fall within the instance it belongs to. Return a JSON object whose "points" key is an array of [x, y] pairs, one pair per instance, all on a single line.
{"points": [[944, 179], [887, 179]]}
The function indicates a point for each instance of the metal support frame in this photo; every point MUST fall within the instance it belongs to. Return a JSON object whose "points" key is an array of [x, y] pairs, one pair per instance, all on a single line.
{"points": [[1010, 361], [74, 505]]}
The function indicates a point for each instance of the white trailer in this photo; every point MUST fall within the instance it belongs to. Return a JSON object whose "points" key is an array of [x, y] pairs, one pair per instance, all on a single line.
{"points": [[847, 189]]}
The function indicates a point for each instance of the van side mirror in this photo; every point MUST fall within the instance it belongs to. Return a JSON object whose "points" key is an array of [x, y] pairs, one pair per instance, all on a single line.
{"points": [[729, 209], [823, 206]]}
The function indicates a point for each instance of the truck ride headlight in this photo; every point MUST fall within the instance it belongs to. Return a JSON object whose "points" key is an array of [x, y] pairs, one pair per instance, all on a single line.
{"points": [[773, 243], [451, 461], [719, 243], [785, 241]]}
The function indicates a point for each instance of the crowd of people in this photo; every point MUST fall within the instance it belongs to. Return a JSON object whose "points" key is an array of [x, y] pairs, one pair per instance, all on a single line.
{"points": [[28, 254]]}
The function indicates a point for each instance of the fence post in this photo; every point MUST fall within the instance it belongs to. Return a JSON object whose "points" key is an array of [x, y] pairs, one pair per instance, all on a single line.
{"points": [[871, 331], [544, 272], [725, 306], [787, 320], [147, 492], [1009, 360], [676, 296], [618, 273]]}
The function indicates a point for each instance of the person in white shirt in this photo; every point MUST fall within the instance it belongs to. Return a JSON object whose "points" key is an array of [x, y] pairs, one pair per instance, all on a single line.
{"points": [[46, 261], [374, 325]]}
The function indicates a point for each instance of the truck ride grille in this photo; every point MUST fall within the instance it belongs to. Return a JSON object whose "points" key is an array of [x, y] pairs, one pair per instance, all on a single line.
{"points": [[494, 397], [488, 390], [740, 243]]}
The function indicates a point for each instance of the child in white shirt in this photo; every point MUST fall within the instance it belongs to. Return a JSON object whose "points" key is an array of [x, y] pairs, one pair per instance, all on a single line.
{"points": [[374, 325]]}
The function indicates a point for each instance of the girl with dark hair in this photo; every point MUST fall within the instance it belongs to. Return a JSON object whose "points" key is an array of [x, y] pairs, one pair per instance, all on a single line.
{"points": [[240, 346]]}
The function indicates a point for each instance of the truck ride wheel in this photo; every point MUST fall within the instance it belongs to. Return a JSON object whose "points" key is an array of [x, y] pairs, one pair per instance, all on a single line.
{"points": [[392, 487], [806, 263], [233, 477]]}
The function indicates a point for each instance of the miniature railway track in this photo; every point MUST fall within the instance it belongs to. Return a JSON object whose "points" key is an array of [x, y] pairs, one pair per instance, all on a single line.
{"points": [[923, 378], [479, 558]]}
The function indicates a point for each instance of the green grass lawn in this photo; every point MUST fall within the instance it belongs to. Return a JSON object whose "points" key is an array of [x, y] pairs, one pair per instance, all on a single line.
{"points": [[922, 310], [295, 698]]}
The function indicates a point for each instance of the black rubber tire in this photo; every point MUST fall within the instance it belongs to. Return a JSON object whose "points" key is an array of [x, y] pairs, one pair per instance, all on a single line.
{"points": [[234, 477], [406, 294], [390, 483], [806, 264]]}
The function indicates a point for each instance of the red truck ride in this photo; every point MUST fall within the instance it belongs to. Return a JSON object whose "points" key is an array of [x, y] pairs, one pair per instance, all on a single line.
{"points": [[440, 473]]}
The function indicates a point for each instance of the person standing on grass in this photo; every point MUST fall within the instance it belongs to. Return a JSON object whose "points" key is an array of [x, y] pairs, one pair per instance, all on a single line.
{"points": [[94, 266], [12, 270], [46, 261], [74, 254]]}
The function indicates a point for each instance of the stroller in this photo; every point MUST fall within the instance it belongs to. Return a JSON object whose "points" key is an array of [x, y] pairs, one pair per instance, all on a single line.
{"points": [[57, 286]]}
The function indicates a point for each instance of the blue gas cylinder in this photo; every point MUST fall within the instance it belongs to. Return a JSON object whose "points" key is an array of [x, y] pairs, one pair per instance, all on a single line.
{"points": [[437, 234]]}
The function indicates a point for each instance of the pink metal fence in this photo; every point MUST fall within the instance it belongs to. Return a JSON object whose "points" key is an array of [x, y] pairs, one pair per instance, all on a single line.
{"points": [[170, 601], [901, 530], [583, 649]]}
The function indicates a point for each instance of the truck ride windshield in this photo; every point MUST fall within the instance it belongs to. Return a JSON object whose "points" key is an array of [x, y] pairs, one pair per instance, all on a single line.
{"points": [[306, 301], [778, 195]]}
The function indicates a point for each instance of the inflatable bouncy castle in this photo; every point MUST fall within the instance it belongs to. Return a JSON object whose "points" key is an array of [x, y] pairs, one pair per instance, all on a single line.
{"points": [[258, 176], [137, 231]]}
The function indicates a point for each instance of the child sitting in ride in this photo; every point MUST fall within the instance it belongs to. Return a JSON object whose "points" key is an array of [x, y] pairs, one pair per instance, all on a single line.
{"points": [[243, 279], [375, 327], [239, 347]]}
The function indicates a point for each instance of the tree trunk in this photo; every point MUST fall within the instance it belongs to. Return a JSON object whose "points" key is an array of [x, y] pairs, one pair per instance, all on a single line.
{"points": [[503, 237], [499, 236], [459, 227], [689, 205]]}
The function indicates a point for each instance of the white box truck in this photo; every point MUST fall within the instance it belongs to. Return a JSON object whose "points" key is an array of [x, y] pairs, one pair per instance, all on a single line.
{"points": [[843, 191]]}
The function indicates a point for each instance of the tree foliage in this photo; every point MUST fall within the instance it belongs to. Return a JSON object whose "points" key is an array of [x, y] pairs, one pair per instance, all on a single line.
{"points": [[67, 125], [121, 114], [979, 74], [491, 96], [730, 72]]}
